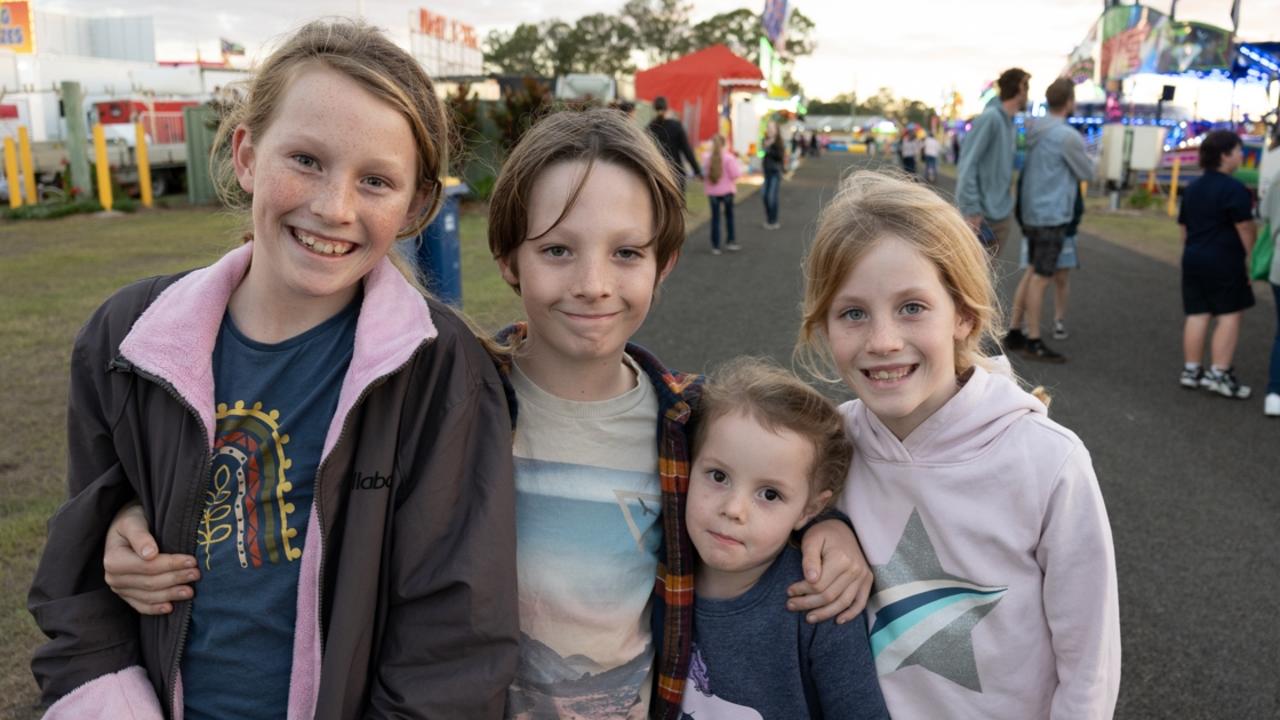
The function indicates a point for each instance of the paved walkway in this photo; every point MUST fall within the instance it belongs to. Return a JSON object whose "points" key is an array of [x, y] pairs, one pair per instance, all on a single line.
{"points": [[1192, 482]]}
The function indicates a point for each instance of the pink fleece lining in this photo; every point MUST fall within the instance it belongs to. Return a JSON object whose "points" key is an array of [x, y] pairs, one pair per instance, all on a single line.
{"points": [[123, 695], [174, 339]]}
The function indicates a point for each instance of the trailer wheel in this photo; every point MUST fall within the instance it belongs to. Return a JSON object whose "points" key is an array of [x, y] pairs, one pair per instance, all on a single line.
{"points": [[159, 184]]}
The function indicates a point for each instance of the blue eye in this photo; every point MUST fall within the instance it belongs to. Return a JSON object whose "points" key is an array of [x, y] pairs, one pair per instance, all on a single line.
{"points": [[913, 308], [854, 314], [305, 160]]}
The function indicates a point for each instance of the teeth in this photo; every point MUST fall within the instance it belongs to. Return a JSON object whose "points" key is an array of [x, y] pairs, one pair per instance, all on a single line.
{"points": [[322, 246], [886, 375]]}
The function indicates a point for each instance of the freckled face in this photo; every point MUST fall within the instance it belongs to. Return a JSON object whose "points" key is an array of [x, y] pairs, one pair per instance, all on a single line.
{"points": [[333, 180], [892, 328]]}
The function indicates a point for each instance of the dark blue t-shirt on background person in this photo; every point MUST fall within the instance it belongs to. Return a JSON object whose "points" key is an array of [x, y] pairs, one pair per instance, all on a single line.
{"points": [[1211, 207], [274, 406]]}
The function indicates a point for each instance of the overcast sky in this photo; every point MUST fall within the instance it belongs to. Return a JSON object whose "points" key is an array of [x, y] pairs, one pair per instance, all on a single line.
{"points": [[861, 44]]}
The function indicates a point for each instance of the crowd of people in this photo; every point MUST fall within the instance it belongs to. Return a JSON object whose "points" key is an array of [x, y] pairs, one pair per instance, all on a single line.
{"points": [[300, 486]]}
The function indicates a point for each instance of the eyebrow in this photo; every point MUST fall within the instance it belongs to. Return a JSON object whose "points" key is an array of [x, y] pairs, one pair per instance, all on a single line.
{"points": [[906, 292]]}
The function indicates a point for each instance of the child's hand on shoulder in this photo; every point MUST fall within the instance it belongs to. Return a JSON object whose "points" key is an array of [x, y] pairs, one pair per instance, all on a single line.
{"points": [[837, 577]]}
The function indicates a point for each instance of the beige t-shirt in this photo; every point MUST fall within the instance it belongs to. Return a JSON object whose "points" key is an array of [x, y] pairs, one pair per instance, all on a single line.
{"points": [[588, 501]]}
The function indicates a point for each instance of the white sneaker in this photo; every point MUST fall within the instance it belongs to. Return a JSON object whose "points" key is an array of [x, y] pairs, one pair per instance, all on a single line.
{"points": [[1271, 406]]}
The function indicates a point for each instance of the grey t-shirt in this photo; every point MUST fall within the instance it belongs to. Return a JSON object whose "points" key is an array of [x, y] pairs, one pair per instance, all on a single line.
{"points": [[753, 658]]}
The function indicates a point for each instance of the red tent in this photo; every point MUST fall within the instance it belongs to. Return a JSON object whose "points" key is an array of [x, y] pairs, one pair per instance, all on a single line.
{"points": [[695, 86]]}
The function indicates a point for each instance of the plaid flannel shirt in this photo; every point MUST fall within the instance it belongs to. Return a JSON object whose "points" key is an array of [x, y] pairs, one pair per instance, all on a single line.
{"points": [[672, 620]]}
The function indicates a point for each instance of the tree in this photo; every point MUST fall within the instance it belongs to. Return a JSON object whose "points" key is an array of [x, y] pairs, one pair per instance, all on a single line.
{"points": [[519, 52], [739, 30], [799, 40], [599, 43], [661, 27]]}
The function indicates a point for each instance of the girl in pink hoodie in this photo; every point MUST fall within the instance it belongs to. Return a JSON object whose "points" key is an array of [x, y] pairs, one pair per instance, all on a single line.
{"points": [[722, 174], [995, 591]]}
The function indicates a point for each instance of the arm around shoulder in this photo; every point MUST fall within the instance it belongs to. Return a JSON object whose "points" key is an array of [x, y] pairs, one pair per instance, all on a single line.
{"points": [[451, 642], [92, 657], [1081, 597]]}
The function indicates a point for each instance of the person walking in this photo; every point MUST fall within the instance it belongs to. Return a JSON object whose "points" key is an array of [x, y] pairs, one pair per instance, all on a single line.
{"points": [[932, 149], [984, 178], [722, 174], [775, 160], [671, 138], [1056, 165], [1271, 214], [1218, 233], [910, 151]]}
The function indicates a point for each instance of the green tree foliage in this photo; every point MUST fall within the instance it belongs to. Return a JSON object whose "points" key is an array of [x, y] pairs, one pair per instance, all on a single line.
{"points": [[518, 110], [661, 27], [739, 30], [519, 52], [799, 41]]}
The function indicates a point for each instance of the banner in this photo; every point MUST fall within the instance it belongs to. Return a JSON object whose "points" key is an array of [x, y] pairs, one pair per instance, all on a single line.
{"points": [[15, 27], [774, 20], [1139, 39]]}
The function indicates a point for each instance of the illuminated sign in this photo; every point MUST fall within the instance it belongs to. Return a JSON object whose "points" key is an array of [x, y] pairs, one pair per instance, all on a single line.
{"points": [[15, 27]]}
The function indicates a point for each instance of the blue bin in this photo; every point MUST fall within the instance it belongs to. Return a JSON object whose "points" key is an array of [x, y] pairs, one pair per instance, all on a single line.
{"points": [[437, 249]]}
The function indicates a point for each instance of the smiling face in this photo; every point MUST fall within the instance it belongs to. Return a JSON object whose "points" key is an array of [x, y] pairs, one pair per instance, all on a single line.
{"points": [[586, 284], [892, 329], [749, 488], [333, 181]]}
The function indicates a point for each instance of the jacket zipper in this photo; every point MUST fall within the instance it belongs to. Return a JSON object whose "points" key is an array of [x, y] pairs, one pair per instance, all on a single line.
{"points": [[319, 489], [120, 364]]}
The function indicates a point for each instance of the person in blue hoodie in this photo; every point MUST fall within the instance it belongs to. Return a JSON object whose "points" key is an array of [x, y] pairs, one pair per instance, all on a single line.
{"points": [[984, 180]]}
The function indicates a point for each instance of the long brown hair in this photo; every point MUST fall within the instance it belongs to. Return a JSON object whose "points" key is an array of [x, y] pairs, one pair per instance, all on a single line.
{"points": [[715, 168]]}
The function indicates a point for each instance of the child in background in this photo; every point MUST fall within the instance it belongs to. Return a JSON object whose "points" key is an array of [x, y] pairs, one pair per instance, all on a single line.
{"points": [[769, 453], [304, 422], [995, 588], [722, 173]]}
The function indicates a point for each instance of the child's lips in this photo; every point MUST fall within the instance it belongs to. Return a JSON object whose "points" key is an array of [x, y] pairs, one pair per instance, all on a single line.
{"points": [[724, 539]]}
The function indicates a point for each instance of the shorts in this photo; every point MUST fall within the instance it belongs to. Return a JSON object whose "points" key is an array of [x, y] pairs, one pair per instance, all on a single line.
{"points": [[1215, 294], [1044, 245], [1068, 259]]}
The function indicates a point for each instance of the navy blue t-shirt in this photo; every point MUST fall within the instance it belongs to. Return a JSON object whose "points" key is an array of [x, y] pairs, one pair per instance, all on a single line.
{"points": [[274, 406], [1211, 207]]}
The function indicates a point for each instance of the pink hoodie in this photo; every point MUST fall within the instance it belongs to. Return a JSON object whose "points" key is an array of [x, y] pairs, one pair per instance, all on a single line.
{"points": [[732, 171], [995, 592]]}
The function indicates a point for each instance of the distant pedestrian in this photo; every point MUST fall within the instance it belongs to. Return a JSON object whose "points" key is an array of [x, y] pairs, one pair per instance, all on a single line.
{"points": [[955, 148], [1271, 214], [984, 179], [672, 140], [775, 161], [797, 138], [869, 139], [1218, 233], [722, 172], [910, 149], [814, 147], [1050, 184], [932, 149], [1068, 260]]}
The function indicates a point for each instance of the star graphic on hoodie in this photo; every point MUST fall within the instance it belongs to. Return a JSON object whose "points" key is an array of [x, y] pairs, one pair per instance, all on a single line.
{"points": [[922, 615]]}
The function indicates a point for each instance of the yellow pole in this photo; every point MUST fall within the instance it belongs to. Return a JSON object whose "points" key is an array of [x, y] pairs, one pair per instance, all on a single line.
{"points": [[144, 165], [104, 172], [11, 173], [1172, 209], [1151, 181], [28, 167]]}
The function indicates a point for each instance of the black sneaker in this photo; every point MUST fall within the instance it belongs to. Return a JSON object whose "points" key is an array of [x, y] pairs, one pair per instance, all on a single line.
{"points": [[1037, 350], [1192, 379], [1225, 384], [1015, 340]]}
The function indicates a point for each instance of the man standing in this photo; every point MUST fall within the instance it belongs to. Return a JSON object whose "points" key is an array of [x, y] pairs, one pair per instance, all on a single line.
{"points": [[671, 139], [1056, 165], [984, 180]]}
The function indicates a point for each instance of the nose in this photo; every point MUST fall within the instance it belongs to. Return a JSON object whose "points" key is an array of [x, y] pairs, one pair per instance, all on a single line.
{"points": [[335, 203], [594, 278], [885, 338], [734, 506]]}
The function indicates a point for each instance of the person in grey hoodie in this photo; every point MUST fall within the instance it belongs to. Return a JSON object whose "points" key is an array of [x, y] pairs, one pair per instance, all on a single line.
{"points": [[1056, 165], [984, 180]]}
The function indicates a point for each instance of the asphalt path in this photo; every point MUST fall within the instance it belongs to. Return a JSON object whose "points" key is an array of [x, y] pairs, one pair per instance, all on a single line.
{"points": [[1191, 481]]}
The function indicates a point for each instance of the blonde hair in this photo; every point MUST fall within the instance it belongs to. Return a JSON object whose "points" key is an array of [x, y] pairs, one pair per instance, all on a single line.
{"points": [[777, 400], [869, 207], [363, 54], [715, 168]]}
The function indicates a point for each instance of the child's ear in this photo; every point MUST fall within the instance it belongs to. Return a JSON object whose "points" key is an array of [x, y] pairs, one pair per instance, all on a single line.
{"points": [[964, 325], [671, 265], [816, 505], [420, 200], [506, 266], [242, 157]]}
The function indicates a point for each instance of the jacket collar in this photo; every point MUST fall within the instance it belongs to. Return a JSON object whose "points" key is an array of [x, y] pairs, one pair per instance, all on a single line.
{"points": [[174, 338]]}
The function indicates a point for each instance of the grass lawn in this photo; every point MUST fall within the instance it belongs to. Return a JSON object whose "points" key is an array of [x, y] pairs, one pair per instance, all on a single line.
{"points": [[53, 274]]}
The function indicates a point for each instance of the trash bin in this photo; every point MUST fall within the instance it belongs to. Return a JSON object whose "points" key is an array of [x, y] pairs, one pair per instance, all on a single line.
{"points": [[437, 249]]}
